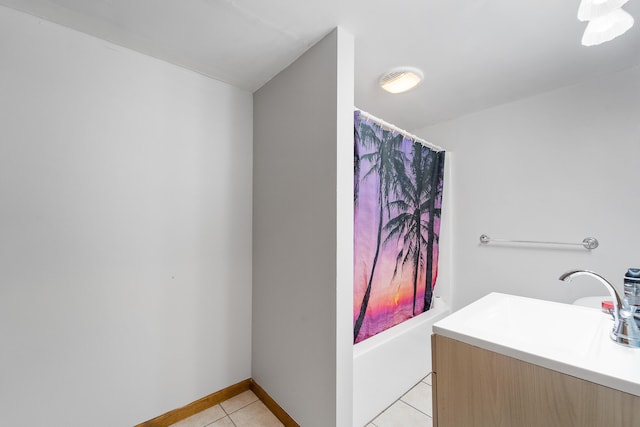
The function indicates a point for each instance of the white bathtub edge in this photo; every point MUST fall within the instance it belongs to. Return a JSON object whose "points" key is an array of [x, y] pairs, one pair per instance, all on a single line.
{"points": [[387, 365]]}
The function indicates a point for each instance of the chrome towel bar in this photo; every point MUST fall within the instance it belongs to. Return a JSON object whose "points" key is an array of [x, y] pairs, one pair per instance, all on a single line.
{"points": [[587, 242]]}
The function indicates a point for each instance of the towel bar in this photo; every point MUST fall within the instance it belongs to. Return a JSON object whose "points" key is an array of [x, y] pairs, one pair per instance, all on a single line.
{"points": [[587, 242]]}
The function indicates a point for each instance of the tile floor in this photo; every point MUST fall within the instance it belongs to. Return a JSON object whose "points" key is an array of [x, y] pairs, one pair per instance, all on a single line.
{"points": [[414, 409], [243, 410], [246, 410]]}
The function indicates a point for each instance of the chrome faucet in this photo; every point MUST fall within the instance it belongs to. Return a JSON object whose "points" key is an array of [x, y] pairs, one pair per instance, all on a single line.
{"points": [[624, 331]]}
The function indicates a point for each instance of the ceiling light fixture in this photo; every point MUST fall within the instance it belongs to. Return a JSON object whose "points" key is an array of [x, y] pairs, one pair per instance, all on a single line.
{"points": [[607, 27], [401, 79], [592, 9]]}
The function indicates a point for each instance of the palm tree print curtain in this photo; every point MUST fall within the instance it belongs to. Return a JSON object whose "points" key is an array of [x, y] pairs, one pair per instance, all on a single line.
{"points": [[398, 186]]}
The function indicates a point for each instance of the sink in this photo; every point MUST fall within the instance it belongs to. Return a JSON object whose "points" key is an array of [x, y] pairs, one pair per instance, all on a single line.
{"points": [[526, 324], [567, 338]]}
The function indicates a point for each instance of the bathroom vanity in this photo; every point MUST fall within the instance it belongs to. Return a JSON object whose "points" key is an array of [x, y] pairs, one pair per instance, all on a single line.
{"points": [[512, 361]]}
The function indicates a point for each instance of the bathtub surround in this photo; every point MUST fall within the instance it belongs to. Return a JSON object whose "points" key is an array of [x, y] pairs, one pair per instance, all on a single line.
{"points": [[557, 166], [125, 216]]}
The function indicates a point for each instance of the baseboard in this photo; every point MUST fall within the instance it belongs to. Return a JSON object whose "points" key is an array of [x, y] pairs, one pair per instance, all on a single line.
{"points": [[273, 406], [213, 399], [199, 405]]}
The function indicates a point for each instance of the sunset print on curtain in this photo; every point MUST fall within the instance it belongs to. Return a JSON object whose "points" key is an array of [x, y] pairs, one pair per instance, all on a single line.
{"points": [[398, 198]]}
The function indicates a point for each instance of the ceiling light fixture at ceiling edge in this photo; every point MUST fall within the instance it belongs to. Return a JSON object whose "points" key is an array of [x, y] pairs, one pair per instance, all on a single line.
{"points": [[592, 9], [607, 27], [401, 79]]}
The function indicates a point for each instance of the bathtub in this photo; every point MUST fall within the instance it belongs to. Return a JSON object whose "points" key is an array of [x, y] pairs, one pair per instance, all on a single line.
{"points": [[388, 364]]}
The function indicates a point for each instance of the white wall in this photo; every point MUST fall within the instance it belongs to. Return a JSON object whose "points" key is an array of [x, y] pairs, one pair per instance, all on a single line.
{"points": [[303, 235], [125, 231], [559, 166]]}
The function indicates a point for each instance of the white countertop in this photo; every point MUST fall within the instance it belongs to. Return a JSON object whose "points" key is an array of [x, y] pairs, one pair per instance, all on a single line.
{"points": [[566, 338]]}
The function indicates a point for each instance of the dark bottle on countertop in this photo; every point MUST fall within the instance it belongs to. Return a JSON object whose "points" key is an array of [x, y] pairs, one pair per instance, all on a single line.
{"points": [[632, 287]]}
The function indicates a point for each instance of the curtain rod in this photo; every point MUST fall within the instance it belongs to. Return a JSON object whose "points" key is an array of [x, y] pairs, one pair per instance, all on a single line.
{"points": [[389, 126]]}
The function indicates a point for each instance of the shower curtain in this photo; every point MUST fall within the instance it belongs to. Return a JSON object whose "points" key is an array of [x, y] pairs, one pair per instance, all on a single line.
{"points": [[398, 185]]}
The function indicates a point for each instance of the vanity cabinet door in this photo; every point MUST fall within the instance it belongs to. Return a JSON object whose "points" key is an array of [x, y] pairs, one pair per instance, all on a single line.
{"points": [[474, 387]]}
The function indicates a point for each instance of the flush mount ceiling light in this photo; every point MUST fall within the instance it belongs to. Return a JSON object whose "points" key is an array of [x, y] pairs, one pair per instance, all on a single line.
{"points": [[607, 27], [401, 79], [592, 9]]}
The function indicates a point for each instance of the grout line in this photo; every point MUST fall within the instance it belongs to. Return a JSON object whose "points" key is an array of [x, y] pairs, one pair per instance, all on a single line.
{"points": [[210, 424], [223, 411], [228, 414], [383, 411], [401, 399], [242, 407], [413, 407], [422, 412]]}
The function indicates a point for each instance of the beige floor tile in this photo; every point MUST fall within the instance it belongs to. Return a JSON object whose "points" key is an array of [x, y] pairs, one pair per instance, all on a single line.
{"points": [[401, 414], [255, 415], [203, 418], [239, 401], [427, 379], [420, 398], [224, 422]]}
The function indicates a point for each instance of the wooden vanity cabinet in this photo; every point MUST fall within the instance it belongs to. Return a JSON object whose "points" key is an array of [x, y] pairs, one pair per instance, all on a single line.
{"points": [[474, 387]]}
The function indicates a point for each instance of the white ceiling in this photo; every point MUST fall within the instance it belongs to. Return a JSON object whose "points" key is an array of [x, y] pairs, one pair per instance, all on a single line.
{"points": [[475, 53]]}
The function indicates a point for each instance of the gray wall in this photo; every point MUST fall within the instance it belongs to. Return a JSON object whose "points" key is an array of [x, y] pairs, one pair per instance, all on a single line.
{"points": [[125, 231], [559, 166], [302, 235]]}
